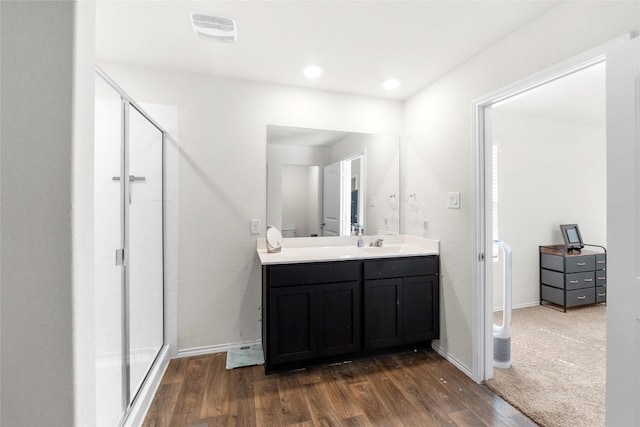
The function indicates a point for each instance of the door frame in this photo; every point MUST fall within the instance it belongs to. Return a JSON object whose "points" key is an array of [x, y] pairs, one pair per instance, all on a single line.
{"points": [[482, 227]]}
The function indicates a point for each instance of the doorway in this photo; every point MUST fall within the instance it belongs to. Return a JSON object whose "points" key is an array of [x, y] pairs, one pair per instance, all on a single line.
{"points": [[482, 332], [549, 168]]}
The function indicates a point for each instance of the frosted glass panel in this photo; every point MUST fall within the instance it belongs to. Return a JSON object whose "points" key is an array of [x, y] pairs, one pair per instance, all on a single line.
{"points": [[110, 360], [145, 247]]}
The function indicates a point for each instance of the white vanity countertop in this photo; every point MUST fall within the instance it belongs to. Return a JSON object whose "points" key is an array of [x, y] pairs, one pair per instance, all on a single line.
{"points": [[322, 249]]}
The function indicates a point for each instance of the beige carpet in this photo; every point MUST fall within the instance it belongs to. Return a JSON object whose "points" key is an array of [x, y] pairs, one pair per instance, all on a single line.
{"points": [[557, 374]]}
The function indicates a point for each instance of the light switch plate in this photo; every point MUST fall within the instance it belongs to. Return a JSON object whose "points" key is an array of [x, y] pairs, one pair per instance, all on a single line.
{"points": [[256, 226], [453, 200]]}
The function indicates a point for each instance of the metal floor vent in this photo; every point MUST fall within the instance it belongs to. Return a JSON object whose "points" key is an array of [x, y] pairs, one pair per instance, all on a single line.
{"points": [[214, 27]]}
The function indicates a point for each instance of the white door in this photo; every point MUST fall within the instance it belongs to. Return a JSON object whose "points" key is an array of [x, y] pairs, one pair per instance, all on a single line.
{"points": [[623, 235], [331, 199]]}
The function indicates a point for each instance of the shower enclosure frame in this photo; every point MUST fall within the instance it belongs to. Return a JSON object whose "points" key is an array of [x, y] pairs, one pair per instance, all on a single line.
{"points": [[122, 254]]}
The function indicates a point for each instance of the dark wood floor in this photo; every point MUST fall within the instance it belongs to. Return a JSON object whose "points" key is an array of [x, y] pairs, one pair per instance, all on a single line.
{"points": [[406, 389]]}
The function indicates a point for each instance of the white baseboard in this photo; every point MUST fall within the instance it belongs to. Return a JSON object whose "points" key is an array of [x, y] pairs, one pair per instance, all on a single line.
{"points": [[435, 344], [145, 397], [525, 305], [212, 349]]}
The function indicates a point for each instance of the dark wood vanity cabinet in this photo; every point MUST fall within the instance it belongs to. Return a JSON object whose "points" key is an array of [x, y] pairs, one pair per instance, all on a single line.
{"points": [[401, 302], [313, 311], [322, 311]]}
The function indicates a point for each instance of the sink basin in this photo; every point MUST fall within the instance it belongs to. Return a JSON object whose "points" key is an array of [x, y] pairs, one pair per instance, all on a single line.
{"points": [[382, 249]]}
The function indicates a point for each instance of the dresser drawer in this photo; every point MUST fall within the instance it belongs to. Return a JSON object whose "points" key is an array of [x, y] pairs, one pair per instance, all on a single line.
{"points": [[577, 264], [552, 278], [579, 280], [601, 277], [574, 298], [403, 267], [601, 294], [581, 297], [601, 261]]}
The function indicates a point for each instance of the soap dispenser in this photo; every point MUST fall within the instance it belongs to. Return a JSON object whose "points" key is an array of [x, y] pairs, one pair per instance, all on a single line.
{"points": [[360, 239]]}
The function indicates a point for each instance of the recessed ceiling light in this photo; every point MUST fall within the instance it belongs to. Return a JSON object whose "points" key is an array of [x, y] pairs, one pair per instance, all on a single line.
{"points": [[312, 71], [390, 84]]}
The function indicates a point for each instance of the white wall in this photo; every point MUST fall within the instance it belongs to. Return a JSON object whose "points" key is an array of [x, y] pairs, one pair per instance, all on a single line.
{"points": [[438, 144], [551, 172], [222, 124], [46, 217]]}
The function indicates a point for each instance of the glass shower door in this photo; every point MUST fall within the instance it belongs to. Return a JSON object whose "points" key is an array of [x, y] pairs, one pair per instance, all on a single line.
{"points": [[129, 262], [145, 247], [111, 399]]}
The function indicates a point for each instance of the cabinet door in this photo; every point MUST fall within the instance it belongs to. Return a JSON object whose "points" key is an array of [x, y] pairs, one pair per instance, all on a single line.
{"points": [[382, 301], [338, 318], [292, 327], [420, 321]]}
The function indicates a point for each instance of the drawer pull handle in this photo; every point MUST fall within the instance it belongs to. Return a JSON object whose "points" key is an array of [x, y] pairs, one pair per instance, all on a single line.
{"points": [[581, 264], [588, 280], [601, 278], [582, 297], [573, 281], [601, 262], [602, 295]]}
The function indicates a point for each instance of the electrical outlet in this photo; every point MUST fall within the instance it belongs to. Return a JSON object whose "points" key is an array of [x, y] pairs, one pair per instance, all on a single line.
{"points": [[255, 226], [453, 200]]}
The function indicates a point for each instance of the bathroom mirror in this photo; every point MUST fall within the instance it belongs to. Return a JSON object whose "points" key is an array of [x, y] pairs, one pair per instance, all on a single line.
{"points": [[332, 183]]}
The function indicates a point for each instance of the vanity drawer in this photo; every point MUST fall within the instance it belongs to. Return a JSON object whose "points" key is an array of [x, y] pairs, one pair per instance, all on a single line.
{"points": [[579, 280], [577, 264], [601, 294], [313, 273], [402, 267]]}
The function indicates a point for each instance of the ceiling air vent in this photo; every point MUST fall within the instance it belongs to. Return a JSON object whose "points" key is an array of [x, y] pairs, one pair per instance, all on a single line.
{"points": [[214, 27]]}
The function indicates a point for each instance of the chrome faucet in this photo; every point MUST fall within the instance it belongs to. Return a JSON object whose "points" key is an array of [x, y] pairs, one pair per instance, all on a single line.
{"points": [[377, 243]]}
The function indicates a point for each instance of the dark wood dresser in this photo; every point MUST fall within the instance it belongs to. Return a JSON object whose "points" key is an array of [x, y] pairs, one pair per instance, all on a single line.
{"points": [[572, 278]]}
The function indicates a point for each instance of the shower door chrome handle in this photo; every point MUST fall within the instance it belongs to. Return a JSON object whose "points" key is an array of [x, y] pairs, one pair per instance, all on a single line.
{"points": [[132, 178], [119, 256]]}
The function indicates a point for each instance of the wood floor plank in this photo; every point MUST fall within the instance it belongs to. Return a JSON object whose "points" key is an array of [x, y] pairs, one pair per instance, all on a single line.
{"points": [[417, 395], [215, 400], [401, 408], [176, 371], [242, 408], [293, 402], [267, 402], [167, 395], [187, 408], [323, 412], [406, 389]]}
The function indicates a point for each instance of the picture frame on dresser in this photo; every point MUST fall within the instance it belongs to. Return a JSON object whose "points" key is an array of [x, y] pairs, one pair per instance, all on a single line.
{"points": [[572, 237]]}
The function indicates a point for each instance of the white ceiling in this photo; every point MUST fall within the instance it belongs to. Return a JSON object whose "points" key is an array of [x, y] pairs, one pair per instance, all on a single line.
{"points": [[578, 97], [357, 43]]}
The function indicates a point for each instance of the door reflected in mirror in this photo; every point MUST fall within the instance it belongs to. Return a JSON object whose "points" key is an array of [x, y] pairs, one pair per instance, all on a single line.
{"points": [[332, 183]]}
